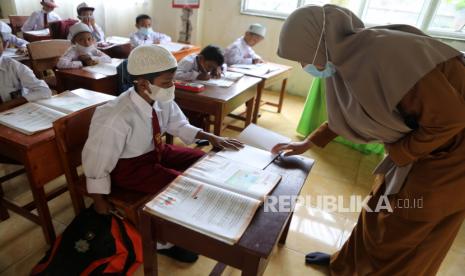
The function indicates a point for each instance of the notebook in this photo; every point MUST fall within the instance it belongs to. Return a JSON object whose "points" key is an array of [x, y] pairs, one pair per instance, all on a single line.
{"points": [[227, 79], [254, 69], [108, 69], [174, 47]]}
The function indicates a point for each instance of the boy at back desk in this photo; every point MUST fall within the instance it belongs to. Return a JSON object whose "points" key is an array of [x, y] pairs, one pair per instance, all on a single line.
{"points": [[86, 16], [145, 35], [18, 84], [208, 64], [125, 146], [241, 52], [39, 20], [83, 52]]}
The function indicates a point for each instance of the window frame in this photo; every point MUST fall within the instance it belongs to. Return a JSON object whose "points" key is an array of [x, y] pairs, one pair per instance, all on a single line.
{"points": [[425, 18]]}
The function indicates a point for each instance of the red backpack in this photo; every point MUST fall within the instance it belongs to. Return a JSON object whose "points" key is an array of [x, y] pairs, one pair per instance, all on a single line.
{"points": [[93, 244]]}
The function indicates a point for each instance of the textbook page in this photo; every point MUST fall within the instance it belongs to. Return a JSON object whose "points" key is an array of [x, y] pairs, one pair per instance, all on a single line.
{"points": [[261, 138], [30, 118], [212, 211], [227, 79], [174, 47], [108, 69], [117, 40], [249, 156], [221, 172], [43, 32], [68, 102]]}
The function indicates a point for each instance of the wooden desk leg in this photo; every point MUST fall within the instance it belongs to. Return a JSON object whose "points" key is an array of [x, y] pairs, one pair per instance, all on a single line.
{"points": [[3, 210], [251, 266], [281, 95], [42, 209], [148, 244], [249, 111], [218, 123], [258, 99], [282, 239]]}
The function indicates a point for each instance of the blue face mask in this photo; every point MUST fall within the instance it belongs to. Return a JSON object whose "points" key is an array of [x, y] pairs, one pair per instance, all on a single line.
{"points": [[145, 31], [329, 70]]}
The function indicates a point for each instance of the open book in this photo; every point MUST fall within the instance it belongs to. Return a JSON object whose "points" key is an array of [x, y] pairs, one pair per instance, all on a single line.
{"points": [[259, 69], [258, 144], [227, 79], [12, 53], [43, 32], [108, 69], [216, 197], [175, 47], [33, 117]]}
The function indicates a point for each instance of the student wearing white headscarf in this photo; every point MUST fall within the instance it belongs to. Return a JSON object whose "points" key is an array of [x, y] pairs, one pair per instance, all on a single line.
{"points": [[391, 84]]}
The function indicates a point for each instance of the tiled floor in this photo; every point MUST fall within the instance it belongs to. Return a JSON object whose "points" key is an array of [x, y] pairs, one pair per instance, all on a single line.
{"points": [[338, 171]]}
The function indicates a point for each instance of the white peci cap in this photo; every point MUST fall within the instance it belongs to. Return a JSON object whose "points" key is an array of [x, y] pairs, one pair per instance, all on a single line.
{"points": [[147, 59], [257, 29], [84, 6], [79, 28]]}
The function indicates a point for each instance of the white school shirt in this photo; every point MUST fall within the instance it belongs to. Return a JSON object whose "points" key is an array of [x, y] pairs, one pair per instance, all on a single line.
{"points": [[70, 59], [97, 33], [189, 69], [122, 128], [36, 20], [140, 39], [239, 52], [16, 76], [11, 39]]}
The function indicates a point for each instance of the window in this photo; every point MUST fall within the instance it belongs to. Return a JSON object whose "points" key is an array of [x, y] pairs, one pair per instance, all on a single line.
{"points": [[443, 18]]}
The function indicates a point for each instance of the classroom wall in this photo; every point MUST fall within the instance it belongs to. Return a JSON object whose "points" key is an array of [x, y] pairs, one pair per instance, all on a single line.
{"points": [[8, 7], [223, 23]]}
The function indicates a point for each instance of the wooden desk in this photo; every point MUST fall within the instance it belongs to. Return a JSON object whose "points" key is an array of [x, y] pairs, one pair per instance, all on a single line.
{"points": [[32, 36], [220, 101], [38, 153], [183, 53], [69, 79], [280, 75], [252, 252]]}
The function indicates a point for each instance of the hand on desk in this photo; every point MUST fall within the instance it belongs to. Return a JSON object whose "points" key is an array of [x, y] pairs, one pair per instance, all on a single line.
{"points": [[204, 76], [220, 142], [21, 51], [216, 73], [87, 60], [292, 148], [257, 60]]}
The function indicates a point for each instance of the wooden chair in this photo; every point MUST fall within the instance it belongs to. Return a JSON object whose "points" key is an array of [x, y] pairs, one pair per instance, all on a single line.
{"points": [[44, 58], [71, 134], [17, 22]]}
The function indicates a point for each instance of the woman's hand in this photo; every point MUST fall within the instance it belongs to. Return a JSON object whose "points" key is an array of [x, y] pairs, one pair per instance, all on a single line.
{"points": [[293, 148], [225, 143]]}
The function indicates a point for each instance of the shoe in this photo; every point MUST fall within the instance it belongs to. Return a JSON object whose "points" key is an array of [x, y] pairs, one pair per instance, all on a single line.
{"points": [[179, 254]]}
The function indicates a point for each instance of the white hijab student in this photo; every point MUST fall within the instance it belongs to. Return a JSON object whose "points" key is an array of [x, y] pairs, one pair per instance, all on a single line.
{"points": [[86, 15], [39, 20], [241, 52], [18, 82], [10, 39]]}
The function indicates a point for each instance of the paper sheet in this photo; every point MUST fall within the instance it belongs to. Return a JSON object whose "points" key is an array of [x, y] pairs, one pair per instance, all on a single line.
{"points": [[254, 69], [261, 138], [11, 52], [44, 32], [68, 102], [117, 40], [250, 156], [107, 69]]}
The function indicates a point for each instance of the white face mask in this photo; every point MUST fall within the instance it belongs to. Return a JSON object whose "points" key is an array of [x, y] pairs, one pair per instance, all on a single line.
{"points": [[85, 50], [161, 94], [86, 17]]}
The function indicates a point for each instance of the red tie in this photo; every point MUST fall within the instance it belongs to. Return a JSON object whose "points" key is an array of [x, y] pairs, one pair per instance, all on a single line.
{"points": [[45, 20], [157, 142]]}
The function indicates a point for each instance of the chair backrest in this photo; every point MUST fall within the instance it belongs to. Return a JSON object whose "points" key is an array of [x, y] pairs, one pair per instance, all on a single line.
{"points": [[17, 22], [60, 29], [46, 53]]}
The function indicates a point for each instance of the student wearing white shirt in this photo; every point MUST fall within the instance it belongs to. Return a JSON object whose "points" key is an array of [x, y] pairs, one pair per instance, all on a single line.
{"points": [[241, 52], [83, 52], [124, 146], [10, 39], [208, 64], [39, 20], [18, 83], [86, 15], [145, 35]]}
